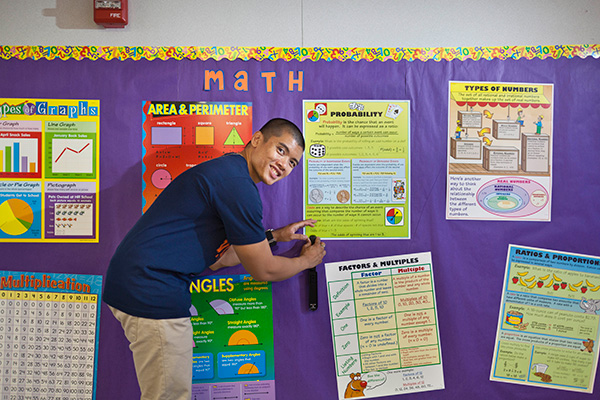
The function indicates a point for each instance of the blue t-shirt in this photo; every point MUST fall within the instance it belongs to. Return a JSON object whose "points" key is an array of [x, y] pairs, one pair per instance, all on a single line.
{"points": [[194, 219]]}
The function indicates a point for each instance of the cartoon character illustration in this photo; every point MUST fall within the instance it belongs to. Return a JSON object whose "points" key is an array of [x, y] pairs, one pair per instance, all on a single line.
{"points": [[589, 306], [356, 387], [540, 372], [458, 130], [589, 345], [538, 124], [520, 119]]}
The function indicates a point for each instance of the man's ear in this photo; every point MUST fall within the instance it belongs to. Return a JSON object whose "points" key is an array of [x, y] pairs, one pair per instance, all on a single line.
{"points": [[257, 138]]}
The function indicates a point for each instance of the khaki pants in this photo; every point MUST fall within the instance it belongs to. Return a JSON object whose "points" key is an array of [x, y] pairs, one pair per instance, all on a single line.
{"points": [[162, 354]]}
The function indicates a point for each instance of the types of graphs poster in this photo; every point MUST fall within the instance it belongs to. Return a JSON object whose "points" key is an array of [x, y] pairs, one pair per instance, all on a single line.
{"points": [[356, 168], [548, 328], [384, 323], [49, 170], [232, 318], [499, 151], [179, 135]]}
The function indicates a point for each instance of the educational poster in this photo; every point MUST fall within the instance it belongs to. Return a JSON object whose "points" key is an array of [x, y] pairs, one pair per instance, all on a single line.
{"points": [[48, 335], [232, 318], [356, 168], [49, 170], [499, 151], [384, 323], [179, 135], [549, 320]]}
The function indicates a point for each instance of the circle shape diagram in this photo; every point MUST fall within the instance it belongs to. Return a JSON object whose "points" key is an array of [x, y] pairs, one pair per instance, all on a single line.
{"points": [[17, 216], [394, 216], [161, 178], [313, 116]]}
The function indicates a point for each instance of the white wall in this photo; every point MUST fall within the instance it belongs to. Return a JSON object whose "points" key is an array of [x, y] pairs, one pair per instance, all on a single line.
{"points": [[308, 23]]}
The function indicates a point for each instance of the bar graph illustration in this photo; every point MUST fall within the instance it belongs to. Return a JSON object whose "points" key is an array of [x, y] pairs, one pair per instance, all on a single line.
{"points": [[19, 156], [72, 156]]}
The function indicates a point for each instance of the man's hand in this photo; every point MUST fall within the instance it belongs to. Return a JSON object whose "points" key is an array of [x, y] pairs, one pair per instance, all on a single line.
{"points": [[314, 253], [288, 232], [258, 260]]}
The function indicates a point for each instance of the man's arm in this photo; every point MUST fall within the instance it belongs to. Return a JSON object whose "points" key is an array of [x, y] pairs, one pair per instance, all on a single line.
{"points": [[258, 260], [283, 234]]}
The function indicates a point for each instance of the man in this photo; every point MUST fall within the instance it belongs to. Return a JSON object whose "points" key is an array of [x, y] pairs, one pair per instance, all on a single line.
{"points": [[209, 216]]}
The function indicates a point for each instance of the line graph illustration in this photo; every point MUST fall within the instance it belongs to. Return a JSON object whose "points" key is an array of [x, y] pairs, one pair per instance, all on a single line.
{"points": [[70, 149], [72, 156]]}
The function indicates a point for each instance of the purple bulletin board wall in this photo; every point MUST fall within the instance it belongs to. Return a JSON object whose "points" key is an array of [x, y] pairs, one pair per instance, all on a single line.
{"points": [[468, 257]]}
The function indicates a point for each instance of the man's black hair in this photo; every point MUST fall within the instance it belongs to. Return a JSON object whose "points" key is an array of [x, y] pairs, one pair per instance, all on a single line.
{"points": [[278, 126]]}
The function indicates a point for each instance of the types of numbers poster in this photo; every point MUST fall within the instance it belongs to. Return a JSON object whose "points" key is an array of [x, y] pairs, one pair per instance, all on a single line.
{"points": [[49, 170], [179, 135], [232, 318], [48, 335], [549, 320], [499, 151], [385, 328], [356, 168]]}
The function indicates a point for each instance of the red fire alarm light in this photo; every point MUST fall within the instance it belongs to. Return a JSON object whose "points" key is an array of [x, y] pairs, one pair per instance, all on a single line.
{"points": [[110, 13]]}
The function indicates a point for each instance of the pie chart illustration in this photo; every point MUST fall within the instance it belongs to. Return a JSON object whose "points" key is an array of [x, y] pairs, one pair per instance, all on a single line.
{"points": [[242, 338], [393, 216], [313, 115], [161, 178], [221, 307], [16, 217]]}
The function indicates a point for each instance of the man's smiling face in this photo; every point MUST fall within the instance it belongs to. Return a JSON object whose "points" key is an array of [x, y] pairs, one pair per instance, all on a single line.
{"points": [[273, 159]]}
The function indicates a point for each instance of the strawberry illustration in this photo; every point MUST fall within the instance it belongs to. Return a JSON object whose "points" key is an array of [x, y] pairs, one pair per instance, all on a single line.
{"points": [[515, 279], [556, 286], [563, 285], [540, 284], [583, 289]]}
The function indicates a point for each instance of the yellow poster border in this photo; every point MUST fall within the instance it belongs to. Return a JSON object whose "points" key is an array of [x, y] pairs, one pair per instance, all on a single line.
{"points": [[231, 53]]}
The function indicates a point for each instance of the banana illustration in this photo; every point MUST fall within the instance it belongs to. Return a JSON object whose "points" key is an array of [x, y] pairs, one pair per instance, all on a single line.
{"points": [[590, 284], [571, 288], [556, 278], [595, 289], [530, 278], [532, 285], [522, 273], [550, 283], [577, 284], [545, 277], [523, 283]]}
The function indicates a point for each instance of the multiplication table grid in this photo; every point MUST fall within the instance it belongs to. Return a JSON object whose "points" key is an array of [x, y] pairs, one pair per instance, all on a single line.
{"points": [[48, 338]]}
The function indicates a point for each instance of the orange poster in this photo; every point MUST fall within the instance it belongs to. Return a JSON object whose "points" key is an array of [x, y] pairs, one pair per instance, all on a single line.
{"points": [[180, 135]]}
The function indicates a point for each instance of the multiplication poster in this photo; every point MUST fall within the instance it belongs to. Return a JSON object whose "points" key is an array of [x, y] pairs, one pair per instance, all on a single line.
{"points": [[499, 151], [548, 328], [232, 318], [49, 170], [48, 335], [179, 135], [357, 168], [384, 324]]}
